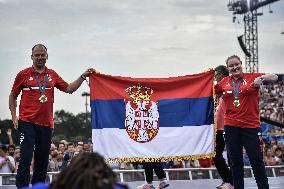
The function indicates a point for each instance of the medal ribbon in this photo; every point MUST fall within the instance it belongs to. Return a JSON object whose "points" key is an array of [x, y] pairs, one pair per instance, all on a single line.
{"points": [[41, 87], [236, 88]]}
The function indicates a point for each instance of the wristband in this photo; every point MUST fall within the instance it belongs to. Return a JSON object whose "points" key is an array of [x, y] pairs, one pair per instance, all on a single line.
{"points": [[83, 77]]}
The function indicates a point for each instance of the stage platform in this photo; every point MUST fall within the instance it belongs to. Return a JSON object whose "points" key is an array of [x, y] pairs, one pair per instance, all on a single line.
{"points": [[274, 182]]}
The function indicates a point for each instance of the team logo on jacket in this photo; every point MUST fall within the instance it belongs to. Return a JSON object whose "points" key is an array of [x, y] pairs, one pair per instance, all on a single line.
{"points": [[141, 114]]}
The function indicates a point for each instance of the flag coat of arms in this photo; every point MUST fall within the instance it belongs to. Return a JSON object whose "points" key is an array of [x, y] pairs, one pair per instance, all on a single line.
{"points": [[153, 119]]}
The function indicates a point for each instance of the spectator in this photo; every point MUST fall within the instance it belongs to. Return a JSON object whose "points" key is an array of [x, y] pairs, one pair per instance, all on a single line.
{"points": [[194, 163], [176, 164], [64, 142], [278, 156], [86, 147], [52, 164], [60, 160], [68, 154], [76, 153], [126, 166], [269, 160], [52, 147], [61, 147], [206, 162], [70, 149], [7, 163], [11, 150], [115, 165], [79, 146], [17, 158]]}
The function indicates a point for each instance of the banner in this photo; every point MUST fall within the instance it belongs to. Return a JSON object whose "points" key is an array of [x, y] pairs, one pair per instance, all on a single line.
{"points": [[153, 119]]}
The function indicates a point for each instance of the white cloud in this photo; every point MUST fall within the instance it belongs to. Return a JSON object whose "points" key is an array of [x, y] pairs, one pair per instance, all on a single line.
{"points": [[128, 37]]}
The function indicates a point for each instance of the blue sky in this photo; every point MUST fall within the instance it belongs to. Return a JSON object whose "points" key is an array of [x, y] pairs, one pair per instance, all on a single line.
{"points": [[137, 38]]}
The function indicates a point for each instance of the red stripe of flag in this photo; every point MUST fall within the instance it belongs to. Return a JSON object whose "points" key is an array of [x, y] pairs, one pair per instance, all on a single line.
{"points": [[106, 87]]}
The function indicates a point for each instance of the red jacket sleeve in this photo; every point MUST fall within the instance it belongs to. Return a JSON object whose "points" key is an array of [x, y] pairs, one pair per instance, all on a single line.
{"points": [[59, 82], [18, 84]]}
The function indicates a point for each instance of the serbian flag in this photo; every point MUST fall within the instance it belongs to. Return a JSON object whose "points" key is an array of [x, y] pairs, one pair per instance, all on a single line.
{"points": [[153, 119]]}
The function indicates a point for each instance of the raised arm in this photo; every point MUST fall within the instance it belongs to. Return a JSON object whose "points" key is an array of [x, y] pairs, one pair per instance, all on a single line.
{"points": [[265, 78], [72, 87]]}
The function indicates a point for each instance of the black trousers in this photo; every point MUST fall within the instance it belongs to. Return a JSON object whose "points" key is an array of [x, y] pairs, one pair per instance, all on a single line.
{"points": [[33, 139], [157, 167], [219, 160], [236, 138]]}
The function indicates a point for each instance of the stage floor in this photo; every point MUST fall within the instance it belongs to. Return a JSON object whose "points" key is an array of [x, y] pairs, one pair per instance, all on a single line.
{"points": [[274, 183]]}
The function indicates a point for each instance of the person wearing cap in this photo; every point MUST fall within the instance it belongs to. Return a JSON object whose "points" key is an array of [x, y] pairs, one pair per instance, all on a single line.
{"points": [[240, 92], [35, 121]]}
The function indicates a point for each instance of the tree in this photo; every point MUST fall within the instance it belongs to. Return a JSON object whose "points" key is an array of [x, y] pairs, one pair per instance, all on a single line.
{"points": [[73, 127]]}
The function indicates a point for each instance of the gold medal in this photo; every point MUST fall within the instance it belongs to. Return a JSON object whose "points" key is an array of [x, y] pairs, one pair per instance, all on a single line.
{"points": [[236, 102], [43, 98]]}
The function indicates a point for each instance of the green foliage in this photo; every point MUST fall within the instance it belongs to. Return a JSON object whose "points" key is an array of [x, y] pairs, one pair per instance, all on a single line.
{"points": [[71, 127]]}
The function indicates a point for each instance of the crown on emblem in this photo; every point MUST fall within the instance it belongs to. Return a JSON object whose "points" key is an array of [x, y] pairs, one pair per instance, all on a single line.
{"points": [[139, 92]]}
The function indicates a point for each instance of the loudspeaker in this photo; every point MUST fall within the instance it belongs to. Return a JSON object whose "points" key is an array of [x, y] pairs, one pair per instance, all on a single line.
{"points": [[243, 46]]}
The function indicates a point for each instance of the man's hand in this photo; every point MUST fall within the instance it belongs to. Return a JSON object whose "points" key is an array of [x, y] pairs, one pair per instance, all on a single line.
{"points": [[72, 87], [15, 122], [88, 72]]}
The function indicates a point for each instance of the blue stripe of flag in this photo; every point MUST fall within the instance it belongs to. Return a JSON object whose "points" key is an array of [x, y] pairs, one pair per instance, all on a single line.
{"points": [[173, 112]]}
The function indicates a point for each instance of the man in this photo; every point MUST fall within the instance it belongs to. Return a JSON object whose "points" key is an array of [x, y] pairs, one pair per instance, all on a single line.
{"points": [[86, 147], [221, 71], [68, 155], [11, 150], [35, 122], [79, 146], [61, 147]]}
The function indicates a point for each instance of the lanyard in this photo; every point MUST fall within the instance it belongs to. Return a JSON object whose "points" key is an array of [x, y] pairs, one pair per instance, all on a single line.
{"points": [[236, 88], [41, 87]]}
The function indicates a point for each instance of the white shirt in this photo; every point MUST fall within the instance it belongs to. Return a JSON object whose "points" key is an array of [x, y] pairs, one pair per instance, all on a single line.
{"points": [[5, 168]]}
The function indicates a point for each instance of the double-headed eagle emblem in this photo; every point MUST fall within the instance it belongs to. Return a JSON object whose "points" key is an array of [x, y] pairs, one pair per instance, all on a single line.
{"points": [[142, 116]]}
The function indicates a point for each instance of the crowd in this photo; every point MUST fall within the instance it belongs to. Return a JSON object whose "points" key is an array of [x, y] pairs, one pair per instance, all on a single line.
{"points": [[271, 102], [62, 154], [59, 157]]}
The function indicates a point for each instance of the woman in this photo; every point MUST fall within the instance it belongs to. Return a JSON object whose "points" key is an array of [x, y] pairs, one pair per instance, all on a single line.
{"points": [[240, 92], [269, 159]]}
